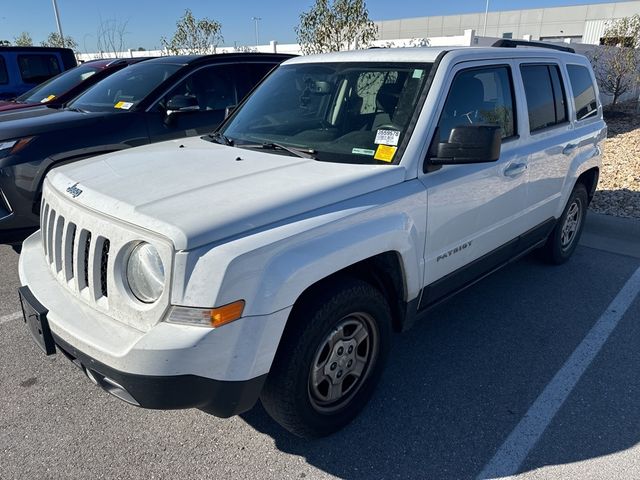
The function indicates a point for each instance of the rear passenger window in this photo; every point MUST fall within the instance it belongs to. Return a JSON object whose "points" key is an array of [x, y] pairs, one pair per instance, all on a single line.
{"points": [[546, 98], [4, 76], [38, 68], [479, 96], [584, 95]]}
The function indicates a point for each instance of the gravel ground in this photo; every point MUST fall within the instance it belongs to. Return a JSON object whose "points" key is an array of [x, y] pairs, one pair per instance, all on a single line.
{"points": [[618, 191]]}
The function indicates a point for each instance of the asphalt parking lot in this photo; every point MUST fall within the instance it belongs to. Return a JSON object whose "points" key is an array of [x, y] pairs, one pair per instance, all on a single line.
{"points": [[533, 373]]}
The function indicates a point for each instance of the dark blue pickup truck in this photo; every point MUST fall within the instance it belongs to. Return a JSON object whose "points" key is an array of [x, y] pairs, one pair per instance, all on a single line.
{"points": [[22, 68]]}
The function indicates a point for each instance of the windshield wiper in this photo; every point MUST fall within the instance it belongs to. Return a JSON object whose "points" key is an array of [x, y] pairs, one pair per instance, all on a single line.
{"points": [[76, 109], [298, 152], [220, 138]]}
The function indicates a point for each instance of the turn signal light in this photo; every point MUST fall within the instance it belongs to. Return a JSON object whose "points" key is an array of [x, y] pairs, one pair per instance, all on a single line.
{"points": [[227, 313]]}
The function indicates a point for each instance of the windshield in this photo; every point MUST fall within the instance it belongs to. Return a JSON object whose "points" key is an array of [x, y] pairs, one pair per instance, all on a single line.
{"points": [[47, 91], [123, 90], [338, 112]]}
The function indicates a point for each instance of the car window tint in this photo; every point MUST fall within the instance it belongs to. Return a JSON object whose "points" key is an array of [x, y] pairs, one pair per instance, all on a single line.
{"points": [[545, 95], [584, 94], [38, 68], [560, 98], [4, 76], [212, 87], [479, 96], [248, 75]]}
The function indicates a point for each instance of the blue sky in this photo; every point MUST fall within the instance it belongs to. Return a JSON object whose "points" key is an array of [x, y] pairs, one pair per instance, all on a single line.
{"points": [[148, 20]]}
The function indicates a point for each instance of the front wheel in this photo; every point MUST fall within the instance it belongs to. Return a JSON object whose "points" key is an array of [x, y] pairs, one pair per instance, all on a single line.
{"points": [[565, 236], [330, 359]]}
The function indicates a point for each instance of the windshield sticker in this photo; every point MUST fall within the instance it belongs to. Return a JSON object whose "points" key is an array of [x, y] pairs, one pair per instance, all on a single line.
{"points": [[47, 99], [417, 73], [363, 151], [385, 153], [387, 137], [123, 105]]}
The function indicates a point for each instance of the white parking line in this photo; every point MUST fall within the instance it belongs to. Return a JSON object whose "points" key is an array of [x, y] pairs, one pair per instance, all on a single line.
{"points": [[10, 317], [509, 457]]}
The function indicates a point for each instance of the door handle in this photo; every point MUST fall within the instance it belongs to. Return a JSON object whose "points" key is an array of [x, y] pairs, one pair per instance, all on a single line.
{"points": [[568, 150], [515, 170]]}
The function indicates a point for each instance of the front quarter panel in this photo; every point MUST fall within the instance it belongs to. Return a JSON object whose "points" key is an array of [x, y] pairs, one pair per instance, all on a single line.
{"points": [[270, 268]]}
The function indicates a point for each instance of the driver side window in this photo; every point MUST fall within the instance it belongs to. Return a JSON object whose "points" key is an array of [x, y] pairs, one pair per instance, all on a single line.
{"points": [[212, 88], [479, 96]]}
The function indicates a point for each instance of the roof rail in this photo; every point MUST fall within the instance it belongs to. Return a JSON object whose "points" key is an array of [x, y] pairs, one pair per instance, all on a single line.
{"points": [[508, 43]]}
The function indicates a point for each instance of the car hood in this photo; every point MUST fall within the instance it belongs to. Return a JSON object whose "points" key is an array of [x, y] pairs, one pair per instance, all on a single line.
{"points": [[39, 120], [195, 192], [11, 106]]}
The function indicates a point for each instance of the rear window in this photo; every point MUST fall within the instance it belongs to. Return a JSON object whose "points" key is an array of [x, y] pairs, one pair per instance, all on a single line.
{"points": [[584, 94], [4, 76], [546, 99], [38, 68]]}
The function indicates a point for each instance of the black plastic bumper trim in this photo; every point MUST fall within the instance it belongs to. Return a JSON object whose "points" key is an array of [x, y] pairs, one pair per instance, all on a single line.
{"points": [[219, 397]]}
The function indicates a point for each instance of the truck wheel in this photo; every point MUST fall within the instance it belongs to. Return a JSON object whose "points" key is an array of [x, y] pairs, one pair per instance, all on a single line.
{"points": [[566, 234], [330, 358]]}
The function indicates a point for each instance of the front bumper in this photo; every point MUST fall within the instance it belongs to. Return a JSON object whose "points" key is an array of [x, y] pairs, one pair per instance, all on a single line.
{"points": [[168, 366]]}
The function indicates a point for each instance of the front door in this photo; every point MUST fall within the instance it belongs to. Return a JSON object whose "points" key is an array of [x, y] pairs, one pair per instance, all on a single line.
{"points": [[474, 211]]}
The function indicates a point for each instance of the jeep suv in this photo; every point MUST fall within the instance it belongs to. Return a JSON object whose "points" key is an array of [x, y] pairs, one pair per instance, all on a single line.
{"points": [[345, 197]]}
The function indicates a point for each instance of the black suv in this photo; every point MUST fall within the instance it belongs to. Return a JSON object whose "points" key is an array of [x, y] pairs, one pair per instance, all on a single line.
{"points": [[160, 99]]}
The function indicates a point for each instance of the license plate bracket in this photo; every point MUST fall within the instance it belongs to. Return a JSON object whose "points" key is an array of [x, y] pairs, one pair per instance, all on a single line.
{"points": [[35, 316]]}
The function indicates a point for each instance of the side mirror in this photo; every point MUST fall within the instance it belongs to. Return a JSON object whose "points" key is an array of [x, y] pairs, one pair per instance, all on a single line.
{"points": [[229, 110], [182, 103], [467, 144]]}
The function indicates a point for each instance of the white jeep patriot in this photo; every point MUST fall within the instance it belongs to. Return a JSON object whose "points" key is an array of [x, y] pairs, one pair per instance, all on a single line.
{"points": [[348, 194]]}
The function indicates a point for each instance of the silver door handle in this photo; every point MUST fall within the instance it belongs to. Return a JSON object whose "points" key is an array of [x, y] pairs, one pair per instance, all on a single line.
{"points": [[515, 170], [568, 150]]}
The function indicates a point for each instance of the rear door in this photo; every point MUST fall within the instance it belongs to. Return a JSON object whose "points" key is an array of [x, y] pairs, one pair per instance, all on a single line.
{"points": [[550, 140], [474, 211]]}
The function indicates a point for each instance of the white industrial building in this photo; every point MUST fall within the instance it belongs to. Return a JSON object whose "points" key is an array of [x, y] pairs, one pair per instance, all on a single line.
{"points": [[579, 23]]}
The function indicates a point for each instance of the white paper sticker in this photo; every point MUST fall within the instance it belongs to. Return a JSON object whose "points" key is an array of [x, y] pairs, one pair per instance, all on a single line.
{"points": [[123, 105], [387, 137], [417, 73], [363, 151]]}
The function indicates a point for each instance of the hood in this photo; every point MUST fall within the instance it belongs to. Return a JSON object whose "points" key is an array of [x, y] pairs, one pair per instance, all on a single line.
{"points": [[39, 120], [195, 192]]}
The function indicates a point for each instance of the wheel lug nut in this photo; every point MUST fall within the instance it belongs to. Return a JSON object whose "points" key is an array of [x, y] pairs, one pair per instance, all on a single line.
{"points": [[349, 363], [340, 351], [339, 374], [333, 366]]}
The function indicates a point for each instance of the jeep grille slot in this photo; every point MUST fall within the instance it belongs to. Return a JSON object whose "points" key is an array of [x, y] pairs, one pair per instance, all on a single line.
{"points": [[69, 251], [85, 258], [104, 263]]}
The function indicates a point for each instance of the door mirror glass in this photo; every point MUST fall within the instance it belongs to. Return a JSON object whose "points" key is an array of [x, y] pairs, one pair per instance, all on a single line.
{"points": [[467, 144]]}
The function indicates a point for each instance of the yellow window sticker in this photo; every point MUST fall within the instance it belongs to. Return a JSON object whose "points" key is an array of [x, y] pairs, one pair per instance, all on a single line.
{"points": [[123, 105], [385, 153], [47, 99]]}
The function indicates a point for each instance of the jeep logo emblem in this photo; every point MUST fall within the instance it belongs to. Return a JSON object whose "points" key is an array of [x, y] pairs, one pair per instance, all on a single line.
{"points": [[73, 190]]}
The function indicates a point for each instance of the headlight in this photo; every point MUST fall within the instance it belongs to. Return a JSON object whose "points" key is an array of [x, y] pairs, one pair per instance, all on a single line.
{"points": [[9, 147], [145, 273]]}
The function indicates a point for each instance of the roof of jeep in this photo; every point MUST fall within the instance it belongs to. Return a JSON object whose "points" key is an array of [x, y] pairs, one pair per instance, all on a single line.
{"points": [[429, 54]]}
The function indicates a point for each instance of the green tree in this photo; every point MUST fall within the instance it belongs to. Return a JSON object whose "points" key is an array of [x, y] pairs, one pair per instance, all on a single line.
{"points": [[616, 64], [5, 43], [23, 40], [334, 25], [193, 36], [55, 40]]}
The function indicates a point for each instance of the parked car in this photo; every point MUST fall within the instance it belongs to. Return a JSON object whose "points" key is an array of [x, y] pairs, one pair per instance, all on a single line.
{"points": [[159, 99], [22, 68], [347, 195], [57, 91]]}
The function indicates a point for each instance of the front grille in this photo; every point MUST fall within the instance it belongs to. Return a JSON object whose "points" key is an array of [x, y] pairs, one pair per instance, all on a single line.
{"points": [[68, 250]]}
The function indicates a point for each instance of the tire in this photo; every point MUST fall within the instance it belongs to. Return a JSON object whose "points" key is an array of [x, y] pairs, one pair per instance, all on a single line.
{"points": [[564, 238], [326, 335]]}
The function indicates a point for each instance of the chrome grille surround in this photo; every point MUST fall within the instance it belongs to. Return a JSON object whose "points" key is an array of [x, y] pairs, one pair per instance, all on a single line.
{"points": [[87, 252]]}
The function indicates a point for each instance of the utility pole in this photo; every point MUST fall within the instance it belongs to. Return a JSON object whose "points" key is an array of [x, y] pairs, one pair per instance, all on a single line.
{"points": [[486, 13], [57, 14], [256, 19]]}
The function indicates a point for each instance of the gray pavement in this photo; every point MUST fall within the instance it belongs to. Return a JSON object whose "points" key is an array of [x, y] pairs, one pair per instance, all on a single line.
{"points": [[455, 388]]}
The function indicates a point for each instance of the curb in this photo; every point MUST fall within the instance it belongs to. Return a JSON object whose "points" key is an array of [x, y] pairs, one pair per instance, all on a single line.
{"points": [[612, 234]]}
